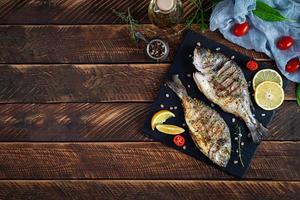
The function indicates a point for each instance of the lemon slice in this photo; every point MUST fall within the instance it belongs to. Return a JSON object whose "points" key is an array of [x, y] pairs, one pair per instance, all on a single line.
{"points": [[269, 95], [170, 129], [160, 117], [266, 75]]}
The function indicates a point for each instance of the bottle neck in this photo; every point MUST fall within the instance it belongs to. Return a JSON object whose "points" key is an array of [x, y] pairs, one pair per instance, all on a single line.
{"points": [[164, 6]]}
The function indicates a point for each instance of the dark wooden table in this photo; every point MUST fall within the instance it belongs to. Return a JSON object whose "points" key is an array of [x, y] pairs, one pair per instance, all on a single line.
{"points": [[74, 92]]}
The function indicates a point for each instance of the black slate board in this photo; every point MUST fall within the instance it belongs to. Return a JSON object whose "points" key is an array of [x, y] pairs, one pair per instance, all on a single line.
{"points": [[167, 99]]}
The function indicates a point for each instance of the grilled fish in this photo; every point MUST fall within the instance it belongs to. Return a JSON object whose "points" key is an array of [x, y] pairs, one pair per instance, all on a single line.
{"points": [[222, 81], [207, 128]]}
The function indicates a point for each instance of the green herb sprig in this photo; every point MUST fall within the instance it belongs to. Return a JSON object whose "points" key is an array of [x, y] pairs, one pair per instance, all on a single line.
{"points": [[237, 132], [132, 23], [129, 20], [199, 17]]}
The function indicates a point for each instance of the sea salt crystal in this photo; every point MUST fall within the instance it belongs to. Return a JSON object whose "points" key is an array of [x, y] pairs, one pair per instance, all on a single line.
{"points": [[237, 151], [190, 55], [212, 105], [263, 114], [183, 124], [233, 120], [218, 49], [235, 162], [171, 108], [198, 44], [236, 138], [188, 86], [167, 95], [232, 57], [189, 75], [175, 107], [162, 105], [184, 147], [242, 143]]}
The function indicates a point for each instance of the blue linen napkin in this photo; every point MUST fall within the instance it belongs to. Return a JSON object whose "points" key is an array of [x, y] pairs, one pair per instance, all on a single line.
{"points": [[262, 35]]}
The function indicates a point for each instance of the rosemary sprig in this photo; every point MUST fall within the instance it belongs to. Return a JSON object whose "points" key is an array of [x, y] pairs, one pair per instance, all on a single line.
{"points": [[132, 23], [238, 133], [127, 18]]}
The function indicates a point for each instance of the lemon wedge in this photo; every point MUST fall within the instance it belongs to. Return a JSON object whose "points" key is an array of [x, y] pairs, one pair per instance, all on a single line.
{"points": [[266, 75], [160, 117], [269, 95], [169, 129]]}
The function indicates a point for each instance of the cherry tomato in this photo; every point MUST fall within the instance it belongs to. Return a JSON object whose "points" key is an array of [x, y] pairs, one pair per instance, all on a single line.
{"points": [[179, 140], [252, 65], [240, 29], [293, 65], [285, 42]]}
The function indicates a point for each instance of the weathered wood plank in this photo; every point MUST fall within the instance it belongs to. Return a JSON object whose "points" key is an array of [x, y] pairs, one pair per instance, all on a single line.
{"points": [[84, 83], [142, 160], [84, 44], [74, 11], [105, 122], [73, 122], [150, 189], [80, 83]]}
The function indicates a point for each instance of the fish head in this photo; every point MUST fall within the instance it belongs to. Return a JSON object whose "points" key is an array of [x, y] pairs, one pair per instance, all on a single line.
{"points": [[220, 152], [203, 59]]}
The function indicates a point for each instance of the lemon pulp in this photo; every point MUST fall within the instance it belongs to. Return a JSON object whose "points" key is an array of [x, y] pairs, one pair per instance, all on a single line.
{"points": [[169, 129], [160, 117], [269, 95], [266, 75]]}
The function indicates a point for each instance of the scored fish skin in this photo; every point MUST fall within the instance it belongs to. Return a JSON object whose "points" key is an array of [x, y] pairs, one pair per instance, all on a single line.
{"points": [[222, 81], [207, 128]]}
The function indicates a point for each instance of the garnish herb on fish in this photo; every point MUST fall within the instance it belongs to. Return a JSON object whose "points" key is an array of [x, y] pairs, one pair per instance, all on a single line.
{"points": [[238, 133], [207, 128], [222, 81]]}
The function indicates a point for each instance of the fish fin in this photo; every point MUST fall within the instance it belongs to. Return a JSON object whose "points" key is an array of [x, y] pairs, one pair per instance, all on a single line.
{"points": [[177, 86], [257, 130]]}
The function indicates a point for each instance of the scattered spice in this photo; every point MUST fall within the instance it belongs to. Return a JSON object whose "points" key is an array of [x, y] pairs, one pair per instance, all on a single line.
{"points": [[238, 133]]}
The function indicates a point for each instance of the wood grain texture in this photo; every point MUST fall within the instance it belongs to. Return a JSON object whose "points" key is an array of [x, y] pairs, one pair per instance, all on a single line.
{"points": [[85, 83], [105, 122], [80, 83], [142, 160], [85, 44], [75, 11], [73, 122], [160, 189]]}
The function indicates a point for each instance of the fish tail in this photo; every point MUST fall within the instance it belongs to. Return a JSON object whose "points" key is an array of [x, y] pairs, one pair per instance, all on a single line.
{"points": [[177, 86], [257, 130]]}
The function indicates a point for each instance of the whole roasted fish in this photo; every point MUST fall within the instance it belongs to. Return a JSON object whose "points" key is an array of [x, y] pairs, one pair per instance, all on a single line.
{"points": [[222, 81], [207, 128]]}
